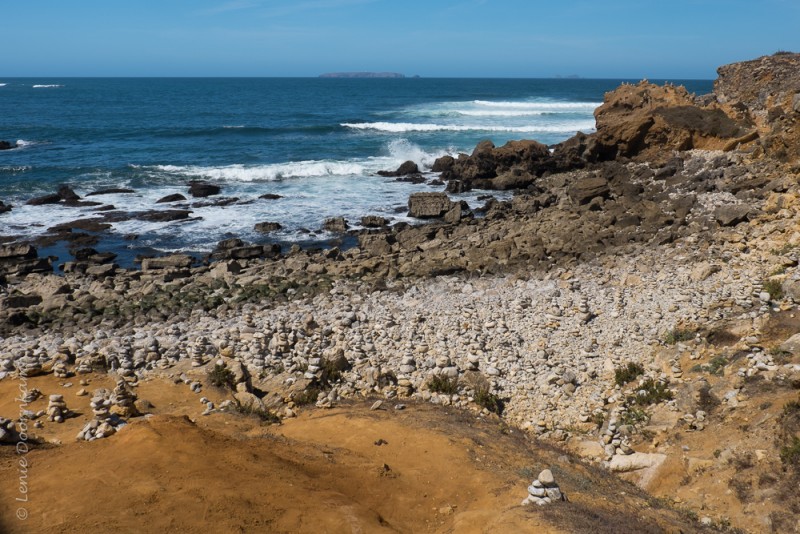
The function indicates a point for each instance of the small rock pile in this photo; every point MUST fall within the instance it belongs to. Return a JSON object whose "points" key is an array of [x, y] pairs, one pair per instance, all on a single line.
{"points": [[544, 490], [60, 370], [123, 400], [8, 431], [57, 409], [28, 364]]}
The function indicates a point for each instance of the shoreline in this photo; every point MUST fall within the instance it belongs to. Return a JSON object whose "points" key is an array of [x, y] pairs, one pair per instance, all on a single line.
{"points": [[667, 241]]}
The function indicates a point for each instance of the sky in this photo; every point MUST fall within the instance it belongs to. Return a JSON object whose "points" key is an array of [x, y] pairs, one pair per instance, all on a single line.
{"points": [[655, 39]]}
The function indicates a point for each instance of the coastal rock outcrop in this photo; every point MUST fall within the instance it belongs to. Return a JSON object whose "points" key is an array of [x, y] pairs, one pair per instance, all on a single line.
{"points": [[428, 205], [6, 145]]}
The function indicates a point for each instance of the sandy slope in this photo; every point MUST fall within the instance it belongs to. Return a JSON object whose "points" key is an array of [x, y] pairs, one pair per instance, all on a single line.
{"points": [[439, 470]]}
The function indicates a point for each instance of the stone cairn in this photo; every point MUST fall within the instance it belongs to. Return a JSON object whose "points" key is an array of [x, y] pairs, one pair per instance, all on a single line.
{"points": [[544, 490], [613, 441], [8, 431], [31, 395], [123, 400], [60, 370], [83, 365], [125, 358], [199, 351], [28, 364], [57, 409], [104, 424]]}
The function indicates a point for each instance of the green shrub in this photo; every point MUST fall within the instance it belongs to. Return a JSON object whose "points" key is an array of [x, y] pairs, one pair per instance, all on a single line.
{"points": [[443, 384], [308, 396], [634, 416], [650, 392], [774, 288], [628, 373], [790, 454], [678, 335], [221, 377], [251, 409]]}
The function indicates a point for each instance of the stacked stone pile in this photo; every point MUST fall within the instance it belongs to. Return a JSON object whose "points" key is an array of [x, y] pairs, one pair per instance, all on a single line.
{"points": [[57, 409], [123, 400], [29, 364], [544, 490], [8, 431]]}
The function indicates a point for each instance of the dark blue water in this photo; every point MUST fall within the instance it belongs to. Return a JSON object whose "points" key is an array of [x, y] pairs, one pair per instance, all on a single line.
{"points": [[316, 142]]}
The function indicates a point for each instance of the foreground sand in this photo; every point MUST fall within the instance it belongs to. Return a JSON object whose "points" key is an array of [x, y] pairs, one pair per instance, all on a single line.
{"points": [[440, 470]]}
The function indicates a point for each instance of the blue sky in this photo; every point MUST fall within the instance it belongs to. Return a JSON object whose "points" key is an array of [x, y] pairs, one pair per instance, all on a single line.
{"points": [[481, 38]]}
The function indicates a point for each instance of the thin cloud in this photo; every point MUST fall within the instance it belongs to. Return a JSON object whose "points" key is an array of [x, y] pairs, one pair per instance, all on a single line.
{"points": [[299, 7], [234, 5]]}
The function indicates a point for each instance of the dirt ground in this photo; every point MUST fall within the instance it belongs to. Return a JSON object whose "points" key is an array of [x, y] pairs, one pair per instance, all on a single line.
{"points": [[348, 469]]}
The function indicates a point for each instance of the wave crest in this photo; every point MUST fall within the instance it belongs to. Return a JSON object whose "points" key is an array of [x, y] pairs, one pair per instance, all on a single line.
{"points": [[402, 127], [46, 86]]}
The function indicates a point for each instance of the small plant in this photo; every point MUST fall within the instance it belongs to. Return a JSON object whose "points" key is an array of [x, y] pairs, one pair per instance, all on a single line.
{"points": [[598, 418], [258, 411], [628, 373], [221, 377], [779, 355], [678, 335], [777, 271], [308, 396], [790, 454], [773, 287], [634, 416], [650, 392], [443, 384], [485, 399]]}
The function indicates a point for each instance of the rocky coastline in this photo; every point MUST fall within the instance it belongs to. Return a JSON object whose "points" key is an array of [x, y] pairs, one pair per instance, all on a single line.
{"points": [[667, 240]]}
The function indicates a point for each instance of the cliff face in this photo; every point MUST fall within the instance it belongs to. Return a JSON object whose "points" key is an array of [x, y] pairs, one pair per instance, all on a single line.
{"points": [[764, 94]]}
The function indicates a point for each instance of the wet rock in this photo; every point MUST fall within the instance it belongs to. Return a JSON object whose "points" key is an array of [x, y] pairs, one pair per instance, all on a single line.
{"points": [[335, 224], [373, 221], [7, 145], [267, 227], [203, 189], [175, 197], [110, 191], [270, 196], [409, 167], [164, 216], [428, 205]]}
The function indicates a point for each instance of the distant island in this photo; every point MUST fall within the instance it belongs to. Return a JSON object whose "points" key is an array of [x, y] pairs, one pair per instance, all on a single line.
{"points": [[362, 75]]}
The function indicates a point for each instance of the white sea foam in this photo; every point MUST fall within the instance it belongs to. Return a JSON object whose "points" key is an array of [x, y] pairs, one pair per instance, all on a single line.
{"points": [[233, 126], [402, 127], [500, 113], [23, 142], [277, 171], [3, 84], [538, 105], [46, 86]]}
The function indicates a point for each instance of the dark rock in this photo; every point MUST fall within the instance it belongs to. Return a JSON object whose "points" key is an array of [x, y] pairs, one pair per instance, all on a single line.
{"points": [[731, 215], [246, 252], [110, 191], [176, 197], [229, 244], [412, 179], [266, 227], [65, 192], [409, 167], [17, 251], [335, 224], [22, 301], [437, 183], [270, 196], [585, 189], [456, 186], [443, 164], [373, 221], [174, 261], [4, 207], [87, 225], [203, 189], [513, 179], [5, 145], [164, 216], [46, 199], [83, 254], [428, 205]]}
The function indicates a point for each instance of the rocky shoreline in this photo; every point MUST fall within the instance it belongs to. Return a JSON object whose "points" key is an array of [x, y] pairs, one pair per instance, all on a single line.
{"points": [[678, 221]]}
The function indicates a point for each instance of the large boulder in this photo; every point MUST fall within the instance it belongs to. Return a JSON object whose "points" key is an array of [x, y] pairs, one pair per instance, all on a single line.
{"points": [[428, 205], [203, 189], [267, 227], [175, 197], [409, 167], [765, 92], [6, 145], [512, 166], [174, 261]]}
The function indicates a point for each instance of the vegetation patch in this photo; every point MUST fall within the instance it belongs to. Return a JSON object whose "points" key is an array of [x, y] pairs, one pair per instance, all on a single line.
{"points": [[650, 392], [628, 373], [678, 335], [443, 384], [774, 288], [221, 377], [251, 409]]}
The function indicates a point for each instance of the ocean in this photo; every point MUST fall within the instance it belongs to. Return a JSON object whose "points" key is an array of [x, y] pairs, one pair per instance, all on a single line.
{"points": [[317, 143]]}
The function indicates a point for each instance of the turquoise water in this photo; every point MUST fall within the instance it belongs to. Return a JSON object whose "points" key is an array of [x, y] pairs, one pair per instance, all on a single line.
{"points": [[316, 142]]}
